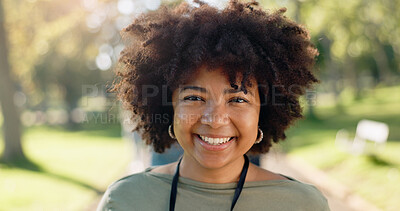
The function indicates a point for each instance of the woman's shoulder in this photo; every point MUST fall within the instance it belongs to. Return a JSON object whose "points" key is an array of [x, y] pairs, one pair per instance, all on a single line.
{"points": [[282, 189], [257, 173], [168, 169], [145, 178], [298, 189], [136, 190], [291, 192], [129, 180], [308, 195], [128, 185]]}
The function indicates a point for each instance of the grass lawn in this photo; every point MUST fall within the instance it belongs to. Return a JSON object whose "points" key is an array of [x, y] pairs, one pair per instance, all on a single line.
{"points": [[68, 170], [376, 177]]}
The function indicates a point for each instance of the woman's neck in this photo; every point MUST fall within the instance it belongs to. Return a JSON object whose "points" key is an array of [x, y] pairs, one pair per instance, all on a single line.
{"points": [[229, 173]]}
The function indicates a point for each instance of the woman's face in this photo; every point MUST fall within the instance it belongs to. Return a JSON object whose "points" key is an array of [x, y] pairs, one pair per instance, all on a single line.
{"points": [[214, 123]]}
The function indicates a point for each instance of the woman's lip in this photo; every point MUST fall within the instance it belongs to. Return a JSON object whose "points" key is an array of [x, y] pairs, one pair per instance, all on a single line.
{"points": [[214, 136], [211, 147]]}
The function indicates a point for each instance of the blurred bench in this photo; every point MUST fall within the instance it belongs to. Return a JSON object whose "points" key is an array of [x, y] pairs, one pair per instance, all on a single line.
{"points": [[370, 137]]}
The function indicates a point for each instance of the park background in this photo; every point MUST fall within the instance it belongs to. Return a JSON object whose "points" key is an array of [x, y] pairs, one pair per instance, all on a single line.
{"points": [[61, 142]]}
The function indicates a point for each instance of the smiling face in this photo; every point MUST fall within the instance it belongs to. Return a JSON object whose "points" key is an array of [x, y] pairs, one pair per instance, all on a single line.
{"points": [[214, 123]]}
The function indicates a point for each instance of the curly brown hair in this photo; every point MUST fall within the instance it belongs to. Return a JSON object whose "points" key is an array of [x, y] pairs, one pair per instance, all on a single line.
{"points": [[165, 47]]}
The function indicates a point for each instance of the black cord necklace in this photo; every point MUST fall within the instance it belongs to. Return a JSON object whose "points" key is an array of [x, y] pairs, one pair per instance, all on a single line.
{"points": [[238, 190]]}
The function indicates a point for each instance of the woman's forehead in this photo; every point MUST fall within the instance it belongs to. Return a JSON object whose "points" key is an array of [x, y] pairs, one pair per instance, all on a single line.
{"points": [[232, 77], [206, 79]]}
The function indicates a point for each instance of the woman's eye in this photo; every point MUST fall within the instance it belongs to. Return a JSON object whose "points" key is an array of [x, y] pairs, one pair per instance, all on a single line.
{"points": [[238, 100], [193, 98]]}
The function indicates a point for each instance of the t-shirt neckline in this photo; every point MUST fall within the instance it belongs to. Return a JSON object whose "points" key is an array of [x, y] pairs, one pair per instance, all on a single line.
{"points": [[187, 181]]}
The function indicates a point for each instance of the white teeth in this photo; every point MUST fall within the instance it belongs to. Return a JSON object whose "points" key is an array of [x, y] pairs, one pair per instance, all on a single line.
{"points": [[214, 141]]}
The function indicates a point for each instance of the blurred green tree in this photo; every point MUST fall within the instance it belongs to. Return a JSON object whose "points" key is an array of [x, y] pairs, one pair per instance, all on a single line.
{"points": [[11, 126], [358, 40], [47, 53], [53, 50]]}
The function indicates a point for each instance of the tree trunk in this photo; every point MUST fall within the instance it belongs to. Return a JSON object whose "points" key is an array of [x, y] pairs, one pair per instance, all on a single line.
{"points": [[381, 61], [11, 125]]}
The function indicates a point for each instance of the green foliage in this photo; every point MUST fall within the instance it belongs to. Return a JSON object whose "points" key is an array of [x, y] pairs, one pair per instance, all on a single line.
{"points": [[357, 40], [372, 176], [51, 50], [67, 170]]}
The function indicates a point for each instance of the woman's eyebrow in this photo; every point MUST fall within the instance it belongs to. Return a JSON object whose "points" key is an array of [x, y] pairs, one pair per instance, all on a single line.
{"points": [[203, 90], [233, 91], [196, 88]]}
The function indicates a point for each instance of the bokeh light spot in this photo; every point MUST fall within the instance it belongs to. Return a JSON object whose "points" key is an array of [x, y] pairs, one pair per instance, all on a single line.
{"points": [[125, 6], [103, 61]]}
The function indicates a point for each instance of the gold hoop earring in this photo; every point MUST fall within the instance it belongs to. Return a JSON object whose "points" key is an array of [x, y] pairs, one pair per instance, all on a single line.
{"points": [[260, 137], [170, 132]]}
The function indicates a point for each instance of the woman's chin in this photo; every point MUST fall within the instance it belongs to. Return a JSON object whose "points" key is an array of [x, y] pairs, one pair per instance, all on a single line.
{"points": [[212, 156], [211, 162]]}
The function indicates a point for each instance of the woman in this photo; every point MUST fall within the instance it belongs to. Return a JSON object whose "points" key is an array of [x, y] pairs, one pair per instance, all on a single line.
{"points": [[222, 83]]}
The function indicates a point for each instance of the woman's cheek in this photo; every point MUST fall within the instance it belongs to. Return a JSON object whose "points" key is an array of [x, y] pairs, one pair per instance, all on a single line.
{"points": [[185, 115], [248, 114]]}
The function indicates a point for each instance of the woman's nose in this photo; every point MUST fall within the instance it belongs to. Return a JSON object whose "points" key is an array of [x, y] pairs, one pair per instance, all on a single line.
{"points": [[215, 116]]}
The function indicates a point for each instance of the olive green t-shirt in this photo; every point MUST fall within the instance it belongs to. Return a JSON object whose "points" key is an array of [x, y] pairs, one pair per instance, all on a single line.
{"points": [[150, 191]]}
